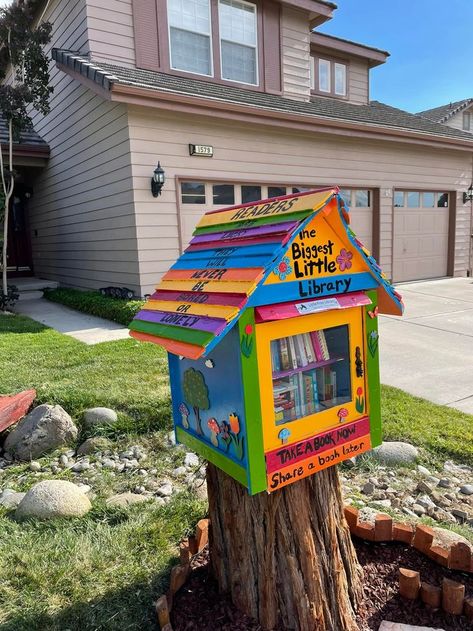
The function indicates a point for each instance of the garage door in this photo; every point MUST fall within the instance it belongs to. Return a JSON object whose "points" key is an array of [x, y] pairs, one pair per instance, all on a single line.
{"points": [[199, 197], [420, 235]]}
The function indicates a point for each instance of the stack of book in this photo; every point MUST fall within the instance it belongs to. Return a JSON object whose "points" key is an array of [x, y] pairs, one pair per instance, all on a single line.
{"points": [[299, 351]]}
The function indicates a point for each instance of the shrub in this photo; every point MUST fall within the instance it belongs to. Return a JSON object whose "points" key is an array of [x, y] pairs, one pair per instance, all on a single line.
{"points": [[93, 303]]}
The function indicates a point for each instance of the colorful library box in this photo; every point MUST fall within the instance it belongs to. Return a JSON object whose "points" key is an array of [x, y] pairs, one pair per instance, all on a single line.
{"points": [[270, 323]]}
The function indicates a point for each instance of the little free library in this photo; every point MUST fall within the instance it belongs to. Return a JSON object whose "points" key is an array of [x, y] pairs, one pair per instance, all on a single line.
{"points": [[270, 323]]}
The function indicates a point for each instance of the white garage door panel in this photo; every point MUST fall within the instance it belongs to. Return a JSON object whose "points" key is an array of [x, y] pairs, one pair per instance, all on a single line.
{"points": [[420, 248]]}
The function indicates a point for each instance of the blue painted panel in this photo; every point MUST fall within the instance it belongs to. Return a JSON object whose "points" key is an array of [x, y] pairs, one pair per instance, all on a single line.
{"points": [[311, 288], [225, 395]]}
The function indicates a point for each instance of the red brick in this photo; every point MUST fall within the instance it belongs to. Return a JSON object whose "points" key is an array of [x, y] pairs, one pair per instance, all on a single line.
{"points": [[351, 515], [460, 557], [383, 528], [423, 538], [403, 533], [439, 555]]}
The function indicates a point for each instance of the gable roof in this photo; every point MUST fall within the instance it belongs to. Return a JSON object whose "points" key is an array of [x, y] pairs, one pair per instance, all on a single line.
{"points": [[30, 141], [373, 115], [224, 269], [443, 113]]}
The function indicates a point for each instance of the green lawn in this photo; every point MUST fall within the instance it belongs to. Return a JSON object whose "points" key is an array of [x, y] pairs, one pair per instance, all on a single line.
{"points": [[102, 572]]}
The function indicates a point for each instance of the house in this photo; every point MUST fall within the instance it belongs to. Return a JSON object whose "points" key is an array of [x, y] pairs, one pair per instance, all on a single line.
{"points": [[458, 115], [238, 100], [270, 323]]}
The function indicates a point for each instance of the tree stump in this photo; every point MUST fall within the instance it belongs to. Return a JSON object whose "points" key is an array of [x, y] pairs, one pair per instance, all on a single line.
{"points": [[286, 559]]}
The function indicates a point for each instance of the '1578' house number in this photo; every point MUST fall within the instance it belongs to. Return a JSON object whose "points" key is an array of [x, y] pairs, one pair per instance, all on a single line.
{"points": [[201, 150]]}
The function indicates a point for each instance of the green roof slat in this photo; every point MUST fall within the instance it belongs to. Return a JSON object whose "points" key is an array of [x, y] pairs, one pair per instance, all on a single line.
{"points": [[200, 338], [254, 222]]}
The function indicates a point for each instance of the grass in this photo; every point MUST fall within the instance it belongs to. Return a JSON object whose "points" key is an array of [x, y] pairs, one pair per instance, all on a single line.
{"points": [[126, 375], [93, 303]]}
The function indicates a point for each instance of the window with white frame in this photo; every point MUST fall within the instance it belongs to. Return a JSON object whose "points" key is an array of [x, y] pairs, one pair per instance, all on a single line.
{"points": [[190, 36], [328, 76], [238, 41]]}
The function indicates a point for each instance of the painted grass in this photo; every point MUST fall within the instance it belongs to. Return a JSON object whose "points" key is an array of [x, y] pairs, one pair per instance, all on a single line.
{"points": [[126, 375]]}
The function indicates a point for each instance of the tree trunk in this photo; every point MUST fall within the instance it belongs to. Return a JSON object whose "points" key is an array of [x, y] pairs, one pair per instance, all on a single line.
{"points": [[286, 559]]}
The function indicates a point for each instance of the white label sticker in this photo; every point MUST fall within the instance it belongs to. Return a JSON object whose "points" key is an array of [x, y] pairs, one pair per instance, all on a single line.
{"points": [[317, 305]]}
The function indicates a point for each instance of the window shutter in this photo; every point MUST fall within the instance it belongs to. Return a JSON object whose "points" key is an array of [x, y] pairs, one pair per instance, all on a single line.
{"points": [[145, 24], [272, 50]]}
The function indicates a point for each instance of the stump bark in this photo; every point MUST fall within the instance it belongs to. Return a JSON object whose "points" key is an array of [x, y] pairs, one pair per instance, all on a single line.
{"points": [[286, 559]]}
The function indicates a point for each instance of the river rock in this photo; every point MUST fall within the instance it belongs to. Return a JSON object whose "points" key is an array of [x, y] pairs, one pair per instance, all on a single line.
{"points": [[92, 445], [191, 460], [395, 453], [43, 430], [99, 416], [10, 499], [126, 499], [50, 499], [467, 489]]}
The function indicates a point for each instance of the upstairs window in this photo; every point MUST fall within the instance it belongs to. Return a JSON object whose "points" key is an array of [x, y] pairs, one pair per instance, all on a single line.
{"points": [[328, 77], [467, 121], [238, 41], [190, 36]]}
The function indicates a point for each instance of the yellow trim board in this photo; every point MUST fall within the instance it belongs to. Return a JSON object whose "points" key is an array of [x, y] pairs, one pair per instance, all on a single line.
{"points": [[211, 311], [232, 287]]}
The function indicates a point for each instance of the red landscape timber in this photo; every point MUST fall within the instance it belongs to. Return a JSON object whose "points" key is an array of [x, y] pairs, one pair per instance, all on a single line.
{"points": [[292, 454], [294, 309], [227, 300], [14, 407]]}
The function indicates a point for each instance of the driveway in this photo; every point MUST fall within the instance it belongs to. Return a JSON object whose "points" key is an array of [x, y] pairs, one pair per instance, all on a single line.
{"points": [[429, 351]]}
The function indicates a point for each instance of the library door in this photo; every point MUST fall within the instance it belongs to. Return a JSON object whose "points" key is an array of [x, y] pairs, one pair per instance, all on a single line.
{"points": [[20, 259]]}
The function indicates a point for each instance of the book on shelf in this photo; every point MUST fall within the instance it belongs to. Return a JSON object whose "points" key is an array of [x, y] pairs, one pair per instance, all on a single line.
{"points": [[299, 351], [284, 350], [292, 352]]}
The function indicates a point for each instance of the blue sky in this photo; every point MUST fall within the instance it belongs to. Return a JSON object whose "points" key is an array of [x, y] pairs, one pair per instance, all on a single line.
{"points": [[431, 46]]}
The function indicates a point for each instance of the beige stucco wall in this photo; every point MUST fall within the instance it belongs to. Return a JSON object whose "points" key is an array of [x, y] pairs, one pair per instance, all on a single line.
{"points": [[81, 215], [272, 155]]}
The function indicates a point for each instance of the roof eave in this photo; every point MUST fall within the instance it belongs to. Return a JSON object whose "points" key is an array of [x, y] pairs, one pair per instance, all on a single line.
{"points": [[28, 150], [374, 56]]}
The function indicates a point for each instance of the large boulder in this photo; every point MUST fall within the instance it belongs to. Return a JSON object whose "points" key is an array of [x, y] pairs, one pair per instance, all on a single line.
{"points": [[43, 430], [395, 453], [53, 498], [99, 416]]}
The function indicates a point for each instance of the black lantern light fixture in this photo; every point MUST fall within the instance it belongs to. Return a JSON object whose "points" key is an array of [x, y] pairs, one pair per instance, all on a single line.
{"points": [[157, 181], [468, 195]]}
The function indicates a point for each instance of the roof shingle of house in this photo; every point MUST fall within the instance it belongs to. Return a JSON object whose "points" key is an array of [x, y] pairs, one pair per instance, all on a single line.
{"points": [[28, 137], [372, 114], [443, 113]]}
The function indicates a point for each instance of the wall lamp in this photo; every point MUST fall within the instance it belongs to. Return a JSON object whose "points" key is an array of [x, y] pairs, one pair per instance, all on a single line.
{"points": [[157, 181], [468, 195]]}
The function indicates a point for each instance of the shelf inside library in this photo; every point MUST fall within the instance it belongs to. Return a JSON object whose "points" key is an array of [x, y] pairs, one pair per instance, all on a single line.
{"points": [[280, 374]]}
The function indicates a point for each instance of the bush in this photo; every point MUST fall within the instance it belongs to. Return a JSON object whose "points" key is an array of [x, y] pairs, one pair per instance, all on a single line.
{"points": [[93, 303]]}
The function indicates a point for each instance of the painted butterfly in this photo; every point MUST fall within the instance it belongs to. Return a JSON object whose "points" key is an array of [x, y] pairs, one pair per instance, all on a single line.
{"points": [[374, 313]]}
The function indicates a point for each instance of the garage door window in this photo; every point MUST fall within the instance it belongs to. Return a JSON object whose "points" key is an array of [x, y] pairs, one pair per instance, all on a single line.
{"points": [[223, 194], [362, 199], [428, 200], [250, 194], [413, 199], [192, 193]]}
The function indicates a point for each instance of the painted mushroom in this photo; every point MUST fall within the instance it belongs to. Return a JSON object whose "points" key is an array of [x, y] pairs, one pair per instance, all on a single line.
{"points": [[184, 415], [284, 435], [214, 430], [342, 414]]}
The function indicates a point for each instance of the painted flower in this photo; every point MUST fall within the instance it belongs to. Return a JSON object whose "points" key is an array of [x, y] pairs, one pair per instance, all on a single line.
{"points": [[234, 423], [344, 260], [374, 335], [249, 329], [359, 392], [283, 269], [213, 425]]}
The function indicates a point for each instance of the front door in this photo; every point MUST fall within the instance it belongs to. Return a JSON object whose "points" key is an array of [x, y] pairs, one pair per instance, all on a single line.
{"points": [[20, 260]]}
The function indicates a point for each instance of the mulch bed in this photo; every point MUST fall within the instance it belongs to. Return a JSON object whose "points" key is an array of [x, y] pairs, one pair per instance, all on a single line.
{"points": [[199, 606]]}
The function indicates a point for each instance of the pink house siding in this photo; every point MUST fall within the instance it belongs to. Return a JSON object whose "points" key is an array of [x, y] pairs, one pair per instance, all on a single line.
{"points": [[110, 31]]}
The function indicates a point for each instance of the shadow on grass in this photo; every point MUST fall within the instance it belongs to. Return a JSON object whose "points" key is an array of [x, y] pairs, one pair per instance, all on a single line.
{"points": [[127, 609], [13, 323]]}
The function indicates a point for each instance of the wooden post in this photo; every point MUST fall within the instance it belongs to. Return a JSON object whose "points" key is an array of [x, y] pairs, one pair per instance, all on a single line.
{"points": [[431, 595], [460, 557], [403, 533], [452, 597], [383, 528], [409, 583], [468, 608], [423, 538]]}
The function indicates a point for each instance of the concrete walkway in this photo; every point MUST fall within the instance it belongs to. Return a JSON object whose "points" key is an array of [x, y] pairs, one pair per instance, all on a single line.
{"points": [[83, 327], [429, 351]]}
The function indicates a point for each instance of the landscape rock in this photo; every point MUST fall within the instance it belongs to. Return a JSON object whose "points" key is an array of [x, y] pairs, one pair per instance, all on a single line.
{"points": [[80, 466], [467, 489], [43, 430], [444, 483], [50, 499], [10, 499], [35, 466], [126, 499], [191, 460], [93, 445], [99, 416], [165, 490], [423, 470], [395, 453], [368, 488], [179, 471]]}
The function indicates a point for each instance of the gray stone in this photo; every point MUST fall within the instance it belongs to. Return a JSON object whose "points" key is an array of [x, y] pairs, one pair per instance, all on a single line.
{"points": [[10, 499], [383, 503], [418, 509], [368, 488], [53, 498], [423, 487], [108, 463], [140, 489], [63, 460], [191, 460], [179, 471], [78, 467], [143, 472], [8, 456], [55, 469], [395, 453], [43, 430], [99, 416], [93, 445], [165, 490], [467, 489], [126, 499], [433, 480], [397, 626], [461, 514], [423, 470], [35, 466], [85, 488], [444, 483]]}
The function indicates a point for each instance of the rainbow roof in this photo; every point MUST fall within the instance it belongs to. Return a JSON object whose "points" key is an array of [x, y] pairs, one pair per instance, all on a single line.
{"points": [[223, 271]]}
